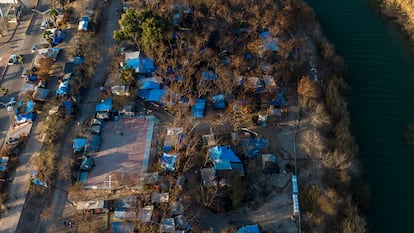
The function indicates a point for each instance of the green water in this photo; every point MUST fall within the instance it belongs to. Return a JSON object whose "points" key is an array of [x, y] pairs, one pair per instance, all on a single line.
{"points": [[381, 73]]}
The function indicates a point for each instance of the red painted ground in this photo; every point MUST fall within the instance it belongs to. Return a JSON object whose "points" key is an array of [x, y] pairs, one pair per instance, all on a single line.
{"points": [[122, 152]]}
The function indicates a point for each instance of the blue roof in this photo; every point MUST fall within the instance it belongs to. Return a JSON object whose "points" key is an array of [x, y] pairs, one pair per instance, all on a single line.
{"points": [[30, 106], [199, 108], [78, 60], [249, 229], [148, 83], [104, 106], [252, 147], [122, 227], [168, 161], [222, 157], [83, 177], [141, 65], [209, 75], [63, 88], [269, 42], [154, 95], [21, 118], [79, 143], [218, 102], [68, 105]]}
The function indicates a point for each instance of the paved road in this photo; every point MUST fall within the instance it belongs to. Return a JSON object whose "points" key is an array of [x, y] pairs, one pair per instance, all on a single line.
{"points": [[17, 41]]}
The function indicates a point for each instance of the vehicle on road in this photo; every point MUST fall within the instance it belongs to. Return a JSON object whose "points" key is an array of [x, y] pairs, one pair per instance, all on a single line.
{"points": [[43, 25], [12, 59]]}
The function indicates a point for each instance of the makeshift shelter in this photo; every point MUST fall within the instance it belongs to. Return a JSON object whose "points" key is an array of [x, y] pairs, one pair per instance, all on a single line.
{"points": [[209, 75], [249, 229], [79, 144], [153, 95], [3, 163], [270, 43], [224, 158], [145, 214], [30, 105], [25, 117], [68, 106], [83, 24], [122, 227], [103, 109], [181, 222], [218, 102], [159, 197], [63, 88], [149, 83], [174, 136], [199, 108], [36, 181], [252, 147], [28, 87], [176, 208], [40, 94], [167, 225], [139, 62], [168, 161], [87, 164]]}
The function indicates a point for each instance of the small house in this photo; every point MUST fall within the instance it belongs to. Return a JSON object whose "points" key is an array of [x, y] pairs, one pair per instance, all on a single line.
{"points": [[224, 158]]}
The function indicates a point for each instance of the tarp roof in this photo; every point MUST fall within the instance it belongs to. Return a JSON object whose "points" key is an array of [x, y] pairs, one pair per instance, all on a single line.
{"points": [[168, 161], [199, 108], [30, 105], [68, 105], [149, 83], [21, 118], [252, 147], [141, 64], [209, 75], [249, 229], [222, 157], [154, 95], [145, 214], [79, 143], [40, 94], [218, 101], [104, 106], [63, 88], [122, 227]]}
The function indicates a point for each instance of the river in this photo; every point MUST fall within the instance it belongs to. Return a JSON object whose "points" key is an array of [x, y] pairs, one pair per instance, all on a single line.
{"points": [[381, 74]]}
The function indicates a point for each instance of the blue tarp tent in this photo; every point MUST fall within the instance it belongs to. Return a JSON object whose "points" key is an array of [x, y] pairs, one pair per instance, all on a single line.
{"points": [[168, 161], [279, 101], [83, 24], [83, 177], [218, 102], [249, 229], [63, 88], [68, 105], [199, 108], [30, 106], [26, 117], [78, 60], [154, 95], [141, 65], [37, 181], [252, 147], [269, 41], [222, 157], [79, 144], [209, 75], [104, 106], [148, 83], [122, 227]]}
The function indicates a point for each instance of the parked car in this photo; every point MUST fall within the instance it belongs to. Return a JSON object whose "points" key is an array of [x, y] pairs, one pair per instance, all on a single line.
{"points": [[12, 59], [43, 25]]}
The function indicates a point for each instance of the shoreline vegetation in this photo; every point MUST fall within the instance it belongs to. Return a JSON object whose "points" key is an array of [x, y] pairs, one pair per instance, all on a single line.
{"points": [[401, 12]]}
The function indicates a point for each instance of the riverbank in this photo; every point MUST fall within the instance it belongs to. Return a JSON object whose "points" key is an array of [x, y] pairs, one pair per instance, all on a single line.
{"points": [[400, 12]]}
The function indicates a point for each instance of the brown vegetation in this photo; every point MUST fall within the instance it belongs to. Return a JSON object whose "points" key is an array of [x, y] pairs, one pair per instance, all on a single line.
{"points": [[402, 11]]}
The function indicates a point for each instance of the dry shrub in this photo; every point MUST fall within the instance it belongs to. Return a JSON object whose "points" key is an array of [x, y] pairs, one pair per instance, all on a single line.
{"points": [[308, 88], [76, 192], [47, 213]]}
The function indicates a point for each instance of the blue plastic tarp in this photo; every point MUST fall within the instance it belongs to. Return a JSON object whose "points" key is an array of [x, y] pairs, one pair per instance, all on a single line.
{"points": [[168, 161], [249, 229], [199, 108], [269, 41], [222, 157], [63, 88], [252, 147], [21, 118], [154, 95], [148, 83], [68, 105], [104, 106], [218, 102], [209, 75], [78, 60], [30, 105], [79, 144], [141, 65], [83, 177]]}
